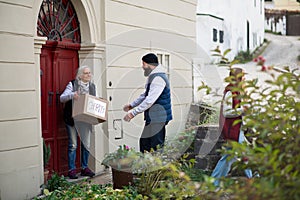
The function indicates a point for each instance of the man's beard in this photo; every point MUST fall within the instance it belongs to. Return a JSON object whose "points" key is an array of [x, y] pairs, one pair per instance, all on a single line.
{"points": [[147, 71]]}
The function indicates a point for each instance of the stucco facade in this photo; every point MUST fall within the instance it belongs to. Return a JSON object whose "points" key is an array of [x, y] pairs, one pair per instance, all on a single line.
{"points": [[114, 36]]}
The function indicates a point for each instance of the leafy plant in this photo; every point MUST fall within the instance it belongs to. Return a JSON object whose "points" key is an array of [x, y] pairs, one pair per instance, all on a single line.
{"points": [[57, 182], [46, 153], [244, 56], [195, 174], [164, 174], [122, 158], [166, 182], [273, 120], [88, 190]]}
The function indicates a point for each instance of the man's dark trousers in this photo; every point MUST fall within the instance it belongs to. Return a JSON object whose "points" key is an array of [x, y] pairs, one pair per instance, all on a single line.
{"points": [[152, 136]]}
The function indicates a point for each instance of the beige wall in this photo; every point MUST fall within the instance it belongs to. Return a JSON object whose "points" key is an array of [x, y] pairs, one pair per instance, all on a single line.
{"points": [[20, 152], [134, 28], [21, 169]]}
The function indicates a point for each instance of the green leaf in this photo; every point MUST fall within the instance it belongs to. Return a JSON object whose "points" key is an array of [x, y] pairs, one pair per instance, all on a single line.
{"points": [[226, 52], [218, 55]]}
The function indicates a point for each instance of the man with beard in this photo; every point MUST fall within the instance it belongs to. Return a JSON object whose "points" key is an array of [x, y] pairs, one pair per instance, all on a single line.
{"points": [[155, 102]]}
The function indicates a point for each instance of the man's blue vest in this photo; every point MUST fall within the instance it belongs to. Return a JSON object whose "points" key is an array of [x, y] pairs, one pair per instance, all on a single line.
{"points": [[161, 110]]}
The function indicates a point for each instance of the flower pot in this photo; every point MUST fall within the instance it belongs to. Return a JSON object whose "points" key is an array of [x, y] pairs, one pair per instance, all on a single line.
{"points": [[121, 178]]}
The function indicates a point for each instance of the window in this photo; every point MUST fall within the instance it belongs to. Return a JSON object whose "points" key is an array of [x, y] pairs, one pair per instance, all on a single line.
{"points": [[215, 35], [160, 57], [221, 36], [58, 21], [164, 60]]}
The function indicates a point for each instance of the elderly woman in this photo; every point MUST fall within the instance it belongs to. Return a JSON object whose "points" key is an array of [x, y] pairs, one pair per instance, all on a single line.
{"points": [[81, 85]]}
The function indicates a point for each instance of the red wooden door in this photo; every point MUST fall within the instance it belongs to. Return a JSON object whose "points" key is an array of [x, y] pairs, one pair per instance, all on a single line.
{"points": [[59, 62]]}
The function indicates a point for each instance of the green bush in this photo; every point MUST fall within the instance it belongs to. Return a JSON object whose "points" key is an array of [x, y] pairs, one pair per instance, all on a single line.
{"points": [[57, 182], [274, 121], [244, 56], [274, 124], [87, 191], [172, 181], [167, 174], [59, 189]]}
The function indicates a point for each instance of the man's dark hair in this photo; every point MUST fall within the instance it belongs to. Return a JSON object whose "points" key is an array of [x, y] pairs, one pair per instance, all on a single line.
{"points": [[150, 59]]}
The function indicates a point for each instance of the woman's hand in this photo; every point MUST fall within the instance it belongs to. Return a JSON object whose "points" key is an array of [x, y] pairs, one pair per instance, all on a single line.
{"points": [[75, 96]]}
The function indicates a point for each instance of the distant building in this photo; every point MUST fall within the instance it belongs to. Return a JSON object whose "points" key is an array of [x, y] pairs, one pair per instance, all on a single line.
{"points": [[235, 25], [282, 16], [238, 25]]}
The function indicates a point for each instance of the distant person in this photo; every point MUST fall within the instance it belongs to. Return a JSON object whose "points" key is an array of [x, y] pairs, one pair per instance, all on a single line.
{"points": [[231, 111], [155, 102], [81, 85]]}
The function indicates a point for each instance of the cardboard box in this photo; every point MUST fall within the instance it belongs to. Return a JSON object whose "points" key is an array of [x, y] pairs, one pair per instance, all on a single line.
{"points": [[90, 109]]}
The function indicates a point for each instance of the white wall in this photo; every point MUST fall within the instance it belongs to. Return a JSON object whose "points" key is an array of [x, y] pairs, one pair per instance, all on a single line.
{"points": [[233, 17]]}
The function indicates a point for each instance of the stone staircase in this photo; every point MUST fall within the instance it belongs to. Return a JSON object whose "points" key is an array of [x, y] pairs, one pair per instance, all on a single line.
{"points": [[207, 141], [206, 145]]}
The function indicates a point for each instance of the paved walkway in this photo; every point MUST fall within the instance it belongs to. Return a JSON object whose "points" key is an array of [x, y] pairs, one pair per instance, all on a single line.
{"points": [[102, 178], [282, 51]]}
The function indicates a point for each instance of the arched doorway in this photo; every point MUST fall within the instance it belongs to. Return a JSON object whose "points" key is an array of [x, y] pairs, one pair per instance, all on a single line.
{"points": [[57, 20]]}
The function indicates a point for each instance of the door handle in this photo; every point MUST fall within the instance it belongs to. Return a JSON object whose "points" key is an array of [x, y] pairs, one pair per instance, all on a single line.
{"points": [[50, 95], [57, 97], [114, 126]]}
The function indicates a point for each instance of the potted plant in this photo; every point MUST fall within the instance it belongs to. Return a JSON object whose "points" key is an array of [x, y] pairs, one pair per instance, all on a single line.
{"points": [[46, 158], [121, 162]]}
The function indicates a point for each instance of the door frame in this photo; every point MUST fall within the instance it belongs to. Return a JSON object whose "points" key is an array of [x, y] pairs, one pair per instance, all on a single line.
{"points": [[94, 56], [91, 53], [54, 53]]}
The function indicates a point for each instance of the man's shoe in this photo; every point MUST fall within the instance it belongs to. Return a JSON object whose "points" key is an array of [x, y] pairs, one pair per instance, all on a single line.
{"points": [[72, 174], [87, 172]]}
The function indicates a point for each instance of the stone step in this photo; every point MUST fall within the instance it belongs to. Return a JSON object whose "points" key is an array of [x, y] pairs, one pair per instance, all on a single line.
{"points": [[205, 147]]}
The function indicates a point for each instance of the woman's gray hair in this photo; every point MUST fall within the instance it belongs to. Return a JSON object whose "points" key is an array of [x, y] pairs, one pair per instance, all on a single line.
{"points": [[80, 71]]}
